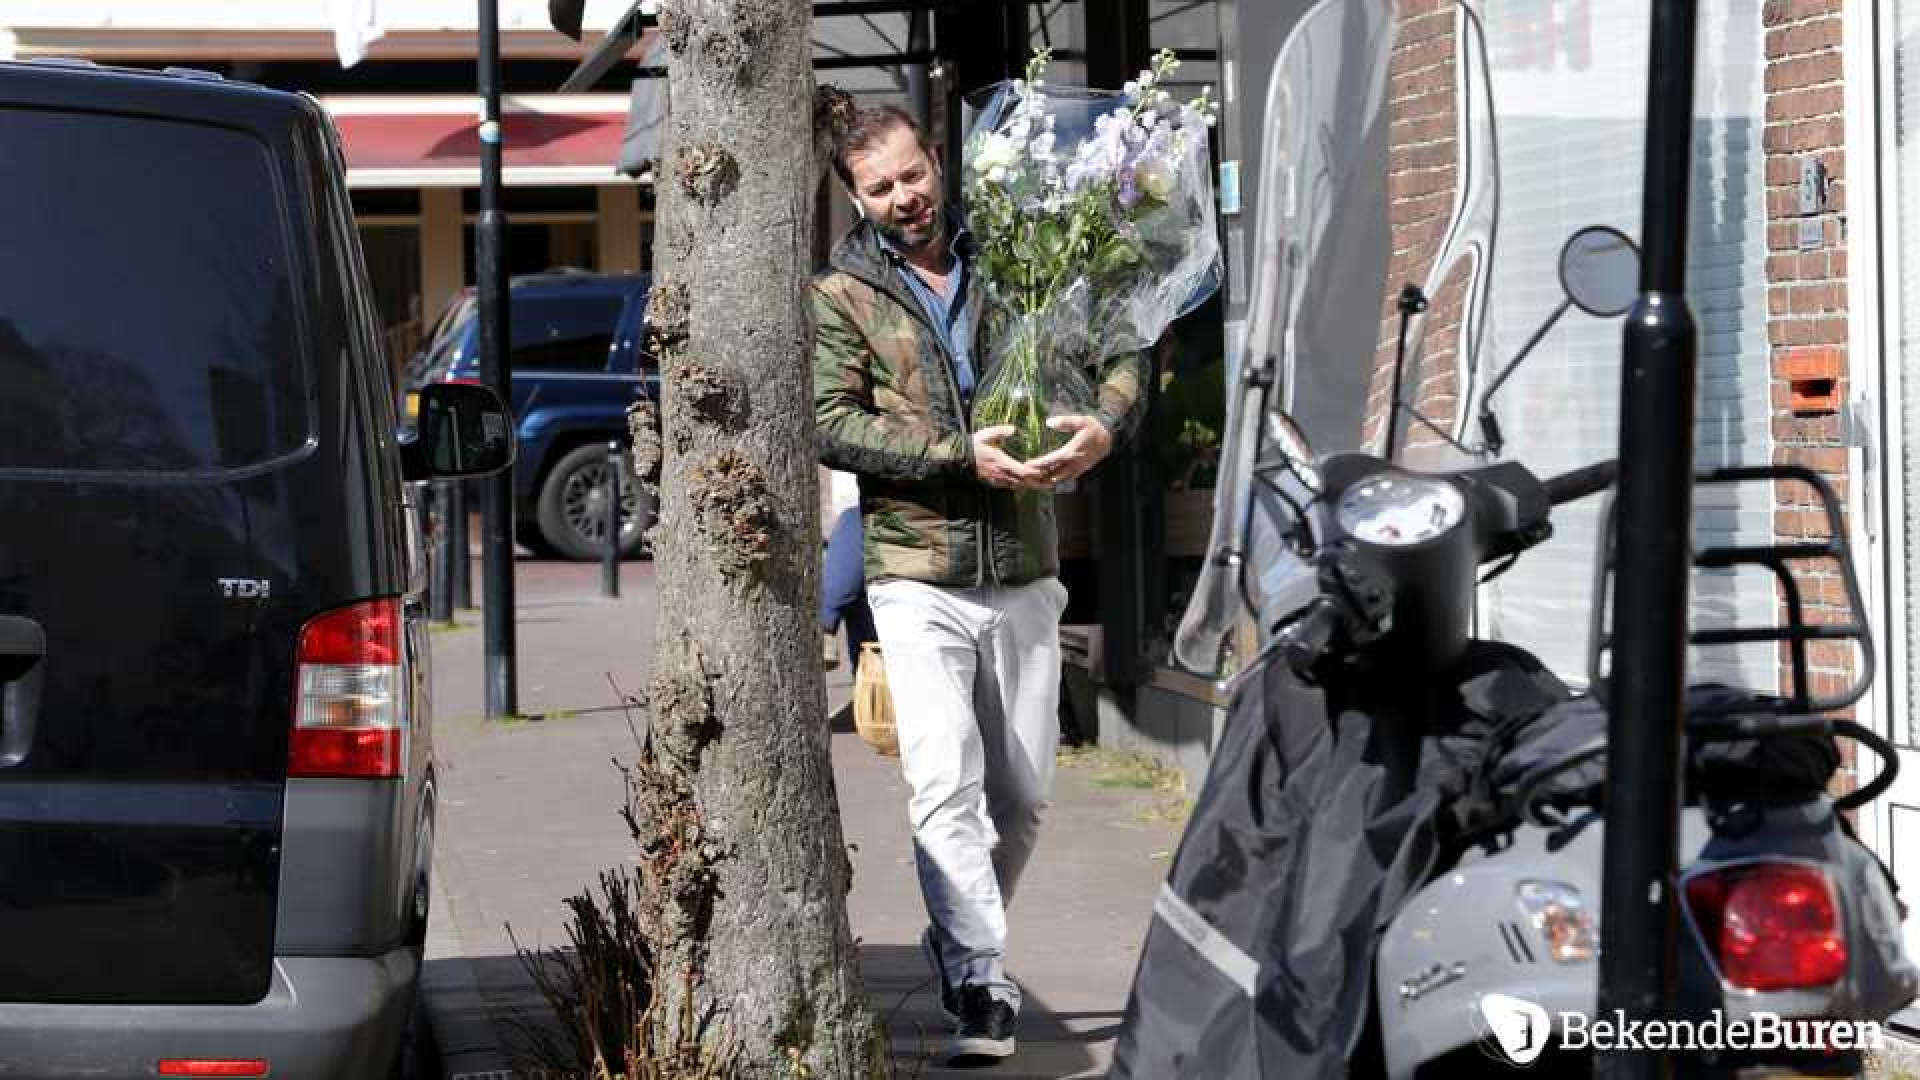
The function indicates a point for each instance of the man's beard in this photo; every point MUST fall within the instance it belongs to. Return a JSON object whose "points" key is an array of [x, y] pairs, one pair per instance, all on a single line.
{"points": [[900, 240]]}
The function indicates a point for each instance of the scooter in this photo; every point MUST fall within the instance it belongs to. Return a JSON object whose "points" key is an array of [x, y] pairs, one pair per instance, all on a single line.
{"points": [[1790, 943], [1767, 835], [1394, 865]]}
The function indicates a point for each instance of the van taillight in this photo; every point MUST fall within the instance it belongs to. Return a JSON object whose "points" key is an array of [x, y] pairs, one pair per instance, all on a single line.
{"points": [[252, 1067], [1770, 925], [348, 715]]}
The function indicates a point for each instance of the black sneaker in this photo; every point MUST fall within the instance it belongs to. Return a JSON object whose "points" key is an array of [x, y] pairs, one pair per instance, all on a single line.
{"points": [[949, 999], [984, 1035]]}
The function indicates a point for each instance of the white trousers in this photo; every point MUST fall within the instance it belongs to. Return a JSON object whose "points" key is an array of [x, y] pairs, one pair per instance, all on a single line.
{"points": [[975, 679]]}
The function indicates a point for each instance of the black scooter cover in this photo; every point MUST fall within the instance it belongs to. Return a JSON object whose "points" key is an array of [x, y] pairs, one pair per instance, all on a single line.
{"points": [[1301, 847]]}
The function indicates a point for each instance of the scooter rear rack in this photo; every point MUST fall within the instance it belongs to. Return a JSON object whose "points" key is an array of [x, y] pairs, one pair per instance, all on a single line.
{"points": [[1795, 632]]}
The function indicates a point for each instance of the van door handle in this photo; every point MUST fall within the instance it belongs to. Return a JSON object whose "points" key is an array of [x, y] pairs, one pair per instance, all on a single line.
{"points": [[23, 650]]}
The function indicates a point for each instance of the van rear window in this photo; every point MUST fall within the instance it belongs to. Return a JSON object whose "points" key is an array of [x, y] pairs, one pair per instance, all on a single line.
{"points": [[146, 298]]}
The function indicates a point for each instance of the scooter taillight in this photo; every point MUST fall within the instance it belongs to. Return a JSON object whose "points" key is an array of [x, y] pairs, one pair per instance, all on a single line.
{"points": [[1770, 925]]}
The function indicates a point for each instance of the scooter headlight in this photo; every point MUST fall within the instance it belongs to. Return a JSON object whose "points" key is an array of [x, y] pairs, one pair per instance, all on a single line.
{"points": [[1562, 920]]}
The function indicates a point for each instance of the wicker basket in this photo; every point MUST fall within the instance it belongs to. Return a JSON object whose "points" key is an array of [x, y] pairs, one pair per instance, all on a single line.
{"points": [[873, 703]]}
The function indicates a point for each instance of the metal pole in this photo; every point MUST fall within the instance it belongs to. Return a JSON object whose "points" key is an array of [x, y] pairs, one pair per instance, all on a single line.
{"points": [[610, 552], [440, 589], [1645, 729], [919, 85], [496, 371], [458, 540]]}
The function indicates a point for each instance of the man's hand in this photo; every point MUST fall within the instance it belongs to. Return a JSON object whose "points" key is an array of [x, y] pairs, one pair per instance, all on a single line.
{"points": [[1090, 444], [997, 468]]}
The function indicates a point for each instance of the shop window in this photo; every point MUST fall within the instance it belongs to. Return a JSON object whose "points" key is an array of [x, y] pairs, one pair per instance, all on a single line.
{"points": [[392, 255], [1571, 134], [1902, 195], [535, 246], [1185, 423]]}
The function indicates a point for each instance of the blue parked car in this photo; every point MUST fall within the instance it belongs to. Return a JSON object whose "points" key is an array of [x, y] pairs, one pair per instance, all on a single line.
{"points": [[578, 363]]}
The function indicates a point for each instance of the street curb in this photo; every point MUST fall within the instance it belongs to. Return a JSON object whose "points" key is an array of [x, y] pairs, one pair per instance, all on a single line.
{"points": [[456, 1008], [1898, 1060]]}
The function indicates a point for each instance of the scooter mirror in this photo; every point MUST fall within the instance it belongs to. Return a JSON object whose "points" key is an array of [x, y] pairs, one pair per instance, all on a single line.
{"points": [[1600, 270]]}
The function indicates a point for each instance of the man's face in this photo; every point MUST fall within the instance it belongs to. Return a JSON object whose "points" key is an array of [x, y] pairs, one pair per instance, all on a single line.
{"points": [[898, 185]]}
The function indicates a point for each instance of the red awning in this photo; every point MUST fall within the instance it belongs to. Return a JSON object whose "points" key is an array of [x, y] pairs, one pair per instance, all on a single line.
{"points": [[435, 141]]}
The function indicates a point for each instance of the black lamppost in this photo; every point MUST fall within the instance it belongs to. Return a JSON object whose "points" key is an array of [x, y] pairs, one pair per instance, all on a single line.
{"points": [[496, 370], [1654, 519]]}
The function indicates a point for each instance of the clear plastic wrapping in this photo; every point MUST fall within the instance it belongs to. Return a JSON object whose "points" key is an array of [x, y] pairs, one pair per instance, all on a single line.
{"points": [[1093, 216]]}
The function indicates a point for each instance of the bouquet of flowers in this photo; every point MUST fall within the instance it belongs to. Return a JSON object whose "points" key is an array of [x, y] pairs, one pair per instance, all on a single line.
{"points": [[1093, 215]]}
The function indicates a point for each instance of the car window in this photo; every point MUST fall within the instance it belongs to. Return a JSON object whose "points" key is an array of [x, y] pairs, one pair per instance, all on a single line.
{"points": [[443, 345], [454, 336], [147, 319], [563, 333]]}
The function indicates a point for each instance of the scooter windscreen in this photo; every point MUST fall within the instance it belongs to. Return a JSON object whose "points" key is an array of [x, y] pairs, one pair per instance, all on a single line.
{"points": [[1325, 105], [1323, 244]]}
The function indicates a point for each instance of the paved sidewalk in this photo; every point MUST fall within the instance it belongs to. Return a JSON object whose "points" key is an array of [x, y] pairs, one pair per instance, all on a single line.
{"points": [[528, 816]]}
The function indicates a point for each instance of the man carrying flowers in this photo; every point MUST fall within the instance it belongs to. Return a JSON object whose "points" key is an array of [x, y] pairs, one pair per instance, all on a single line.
{"points": [[960, 550]]}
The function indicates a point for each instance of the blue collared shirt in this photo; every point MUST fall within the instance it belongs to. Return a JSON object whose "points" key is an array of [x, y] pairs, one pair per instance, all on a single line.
{"points": [[948, 313]]}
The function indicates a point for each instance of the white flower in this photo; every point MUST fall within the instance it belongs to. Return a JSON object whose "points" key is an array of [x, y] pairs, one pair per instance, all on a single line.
{"points": [[1132, 86], [994, 153]]}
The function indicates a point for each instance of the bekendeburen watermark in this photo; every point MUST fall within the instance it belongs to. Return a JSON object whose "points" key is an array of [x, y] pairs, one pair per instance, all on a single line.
{"points": [[1523, 1030]]}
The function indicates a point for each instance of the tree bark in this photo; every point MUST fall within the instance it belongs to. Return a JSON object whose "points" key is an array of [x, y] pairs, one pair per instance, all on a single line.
{"points": [[754, 912]]}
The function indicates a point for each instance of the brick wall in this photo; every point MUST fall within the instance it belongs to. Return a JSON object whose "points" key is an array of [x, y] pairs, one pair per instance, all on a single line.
{"points": [[1806, 278], [1422, 182]]}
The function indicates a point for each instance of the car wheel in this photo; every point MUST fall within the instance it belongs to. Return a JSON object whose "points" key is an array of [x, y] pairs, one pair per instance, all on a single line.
{"points": [[420, 902], [571, 512]]}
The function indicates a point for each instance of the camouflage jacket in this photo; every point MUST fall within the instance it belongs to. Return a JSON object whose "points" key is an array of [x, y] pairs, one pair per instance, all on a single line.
{"points": [[888, 409]]}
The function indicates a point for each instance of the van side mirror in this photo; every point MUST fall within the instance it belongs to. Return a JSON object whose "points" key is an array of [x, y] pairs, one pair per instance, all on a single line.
{"points": [[463, 430]]}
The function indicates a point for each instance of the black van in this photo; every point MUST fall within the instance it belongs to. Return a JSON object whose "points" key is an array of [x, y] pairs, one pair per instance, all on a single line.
{"points": [[216, 766]]}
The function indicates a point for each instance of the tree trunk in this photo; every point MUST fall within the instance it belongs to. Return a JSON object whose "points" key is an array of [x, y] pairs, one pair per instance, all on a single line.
{"points": [[754, 912]]}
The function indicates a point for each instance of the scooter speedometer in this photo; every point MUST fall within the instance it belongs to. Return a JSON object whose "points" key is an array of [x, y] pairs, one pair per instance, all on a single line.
{"points": [[1400, 509]]}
